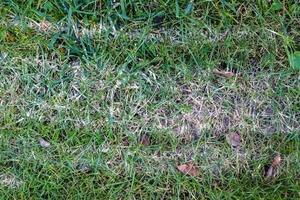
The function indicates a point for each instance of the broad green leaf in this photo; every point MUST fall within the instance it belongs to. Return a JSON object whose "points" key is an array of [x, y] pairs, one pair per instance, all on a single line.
{"points": [[295, 60], [2, 35], [177, 8], [276, 6], [48, 6]]}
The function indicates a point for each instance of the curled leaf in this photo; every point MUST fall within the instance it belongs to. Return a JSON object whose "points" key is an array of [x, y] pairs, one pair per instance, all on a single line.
{"points": [[272, 169], [270, 172], [276, 161], [226, 74], [189, 168]]}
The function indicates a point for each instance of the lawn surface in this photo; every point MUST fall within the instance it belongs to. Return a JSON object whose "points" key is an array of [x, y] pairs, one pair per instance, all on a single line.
{"points": [[109, 99]]}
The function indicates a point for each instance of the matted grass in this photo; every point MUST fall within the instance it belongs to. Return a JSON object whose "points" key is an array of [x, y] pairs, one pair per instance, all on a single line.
{"points": [[82, 82]]}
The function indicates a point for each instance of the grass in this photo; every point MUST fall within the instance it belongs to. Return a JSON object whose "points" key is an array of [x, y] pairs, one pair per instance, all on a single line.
{"points": [[93, 77]]}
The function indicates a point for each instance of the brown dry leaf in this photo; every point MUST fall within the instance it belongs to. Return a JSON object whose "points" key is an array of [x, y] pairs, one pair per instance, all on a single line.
{"points": [[145, 140], [189, 168], [234, 139], [44, 143], [226, 74], [276, 161], [272, 170]]}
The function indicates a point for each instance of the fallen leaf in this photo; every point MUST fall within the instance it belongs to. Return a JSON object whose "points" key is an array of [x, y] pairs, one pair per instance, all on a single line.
{"points": [[145, 140], [234, 139], [270, 172], [189, 168], [44, 143], [226, 74], [272, 169], [276, 161]]}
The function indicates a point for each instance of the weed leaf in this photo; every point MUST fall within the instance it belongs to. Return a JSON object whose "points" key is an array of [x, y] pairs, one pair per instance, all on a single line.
{"points": [[276, 6]]}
